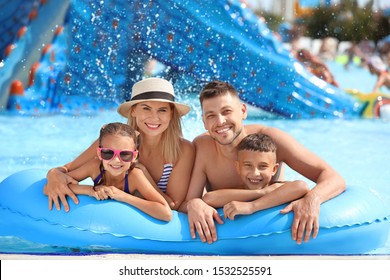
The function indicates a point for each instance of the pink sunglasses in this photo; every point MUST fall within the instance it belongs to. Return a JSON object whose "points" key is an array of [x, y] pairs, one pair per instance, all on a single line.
{"points": [[123, 155]]}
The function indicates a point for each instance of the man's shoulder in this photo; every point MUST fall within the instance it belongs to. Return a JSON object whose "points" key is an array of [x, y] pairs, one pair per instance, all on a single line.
{"points": [[255, 128], [205, 137], [204, 142]]}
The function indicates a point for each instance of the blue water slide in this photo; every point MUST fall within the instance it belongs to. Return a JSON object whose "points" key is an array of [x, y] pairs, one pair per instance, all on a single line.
{"points": [[109, 43]]}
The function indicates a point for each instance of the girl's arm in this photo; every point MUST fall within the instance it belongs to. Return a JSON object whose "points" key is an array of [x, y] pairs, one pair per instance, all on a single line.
{"points": [[152, 202], [150, 178], [179, 179]]}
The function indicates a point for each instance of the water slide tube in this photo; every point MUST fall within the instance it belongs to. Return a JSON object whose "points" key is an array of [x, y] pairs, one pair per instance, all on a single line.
{"points": [[107, 44]]}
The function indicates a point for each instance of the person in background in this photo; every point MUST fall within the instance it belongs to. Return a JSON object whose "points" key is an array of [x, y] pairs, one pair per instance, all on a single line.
{"points": [[165, 156], [377, 67], [316, 66], [256, 164], [353, 52], [114, 174]]}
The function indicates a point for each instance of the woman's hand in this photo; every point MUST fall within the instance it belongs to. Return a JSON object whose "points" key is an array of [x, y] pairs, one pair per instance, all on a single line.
{"points": [[57, 189]]}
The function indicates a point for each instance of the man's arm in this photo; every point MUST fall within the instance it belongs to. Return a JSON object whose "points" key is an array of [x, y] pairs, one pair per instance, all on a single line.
{"points": [[200, 215], [328, 183]]}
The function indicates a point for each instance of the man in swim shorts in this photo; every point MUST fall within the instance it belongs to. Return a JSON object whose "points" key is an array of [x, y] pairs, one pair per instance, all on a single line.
{"points": [[214, 168]]}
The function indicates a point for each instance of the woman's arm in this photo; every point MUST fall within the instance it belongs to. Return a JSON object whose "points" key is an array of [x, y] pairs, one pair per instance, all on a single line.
{"points": [[179, 179], [82, 189], [57, 188]]}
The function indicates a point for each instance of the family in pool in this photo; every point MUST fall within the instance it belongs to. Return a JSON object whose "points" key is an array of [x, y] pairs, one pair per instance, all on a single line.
{"points": [[148, 164]]}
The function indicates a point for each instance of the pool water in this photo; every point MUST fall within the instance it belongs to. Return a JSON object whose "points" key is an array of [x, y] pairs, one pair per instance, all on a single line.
{"points": [[357, 148]]}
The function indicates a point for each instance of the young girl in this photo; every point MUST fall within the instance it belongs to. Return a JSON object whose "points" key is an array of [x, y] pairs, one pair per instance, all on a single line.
{"points": [[114, 174]]}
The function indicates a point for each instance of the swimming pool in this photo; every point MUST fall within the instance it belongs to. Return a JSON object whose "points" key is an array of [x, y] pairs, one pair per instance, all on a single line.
{"points": [[357, 148]]}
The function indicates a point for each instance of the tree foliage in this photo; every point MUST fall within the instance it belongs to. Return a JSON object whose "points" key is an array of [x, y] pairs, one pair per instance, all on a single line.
{"points": [[346, 22]]}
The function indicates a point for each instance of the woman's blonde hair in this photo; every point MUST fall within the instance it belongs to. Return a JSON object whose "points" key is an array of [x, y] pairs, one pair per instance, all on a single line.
{"points": [[170, 143]]}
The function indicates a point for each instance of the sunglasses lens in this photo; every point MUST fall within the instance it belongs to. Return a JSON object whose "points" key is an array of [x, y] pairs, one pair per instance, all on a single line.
{"points": [[126, 155], [106, 154]]}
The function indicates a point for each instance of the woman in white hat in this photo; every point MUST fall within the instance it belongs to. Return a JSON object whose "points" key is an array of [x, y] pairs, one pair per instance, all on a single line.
{"points": [[164, 155]]}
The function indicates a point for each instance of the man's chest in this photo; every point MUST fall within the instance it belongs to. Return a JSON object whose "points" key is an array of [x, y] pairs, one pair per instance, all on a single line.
{"points": [[222, 175]]}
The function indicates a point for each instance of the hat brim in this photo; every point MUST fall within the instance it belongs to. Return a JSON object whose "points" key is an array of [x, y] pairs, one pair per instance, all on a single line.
{"points": [[124, 108]]}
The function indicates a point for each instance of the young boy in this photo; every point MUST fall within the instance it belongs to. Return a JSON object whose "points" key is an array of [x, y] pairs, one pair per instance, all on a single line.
{"points": [[256, 165]]}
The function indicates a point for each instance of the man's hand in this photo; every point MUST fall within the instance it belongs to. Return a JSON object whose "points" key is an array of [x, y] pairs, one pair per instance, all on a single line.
{"points": [[306, 217], [57, 189], [201, 218]]}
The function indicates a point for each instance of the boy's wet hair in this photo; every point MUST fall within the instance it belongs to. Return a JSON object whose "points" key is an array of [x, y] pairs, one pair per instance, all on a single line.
{"points": [[216, 88], [257, 142]]}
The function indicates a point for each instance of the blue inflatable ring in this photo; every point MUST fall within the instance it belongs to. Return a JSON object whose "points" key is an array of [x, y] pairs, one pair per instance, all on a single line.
{"points": [[355, 222]]}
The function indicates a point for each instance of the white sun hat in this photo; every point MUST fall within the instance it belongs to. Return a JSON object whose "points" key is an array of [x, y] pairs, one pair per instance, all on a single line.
{"points": [[152, 89], [377, 63]]}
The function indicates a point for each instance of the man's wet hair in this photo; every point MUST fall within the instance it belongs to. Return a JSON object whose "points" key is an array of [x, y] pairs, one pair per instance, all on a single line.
{"points": [[216, 88]]}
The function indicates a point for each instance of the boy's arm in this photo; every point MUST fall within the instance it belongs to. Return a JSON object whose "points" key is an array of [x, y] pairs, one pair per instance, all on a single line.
{"points": [[287, 192], [219, 198]]}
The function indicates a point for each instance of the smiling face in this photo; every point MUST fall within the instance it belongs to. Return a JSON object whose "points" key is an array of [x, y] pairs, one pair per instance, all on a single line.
{"points": [[116, 166], [222, 117], [152, 117], [256, 168]]}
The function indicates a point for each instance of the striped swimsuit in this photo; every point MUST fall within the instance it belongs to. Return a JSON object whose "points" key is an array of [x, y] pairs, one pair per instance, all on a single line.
{"points": [[163, 183]]}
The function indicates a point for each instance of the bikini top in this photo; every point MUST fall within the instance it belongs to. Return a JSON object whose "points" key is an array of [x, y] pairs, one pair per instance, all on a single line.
{"points": [[163, 182], [99, 177]]}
